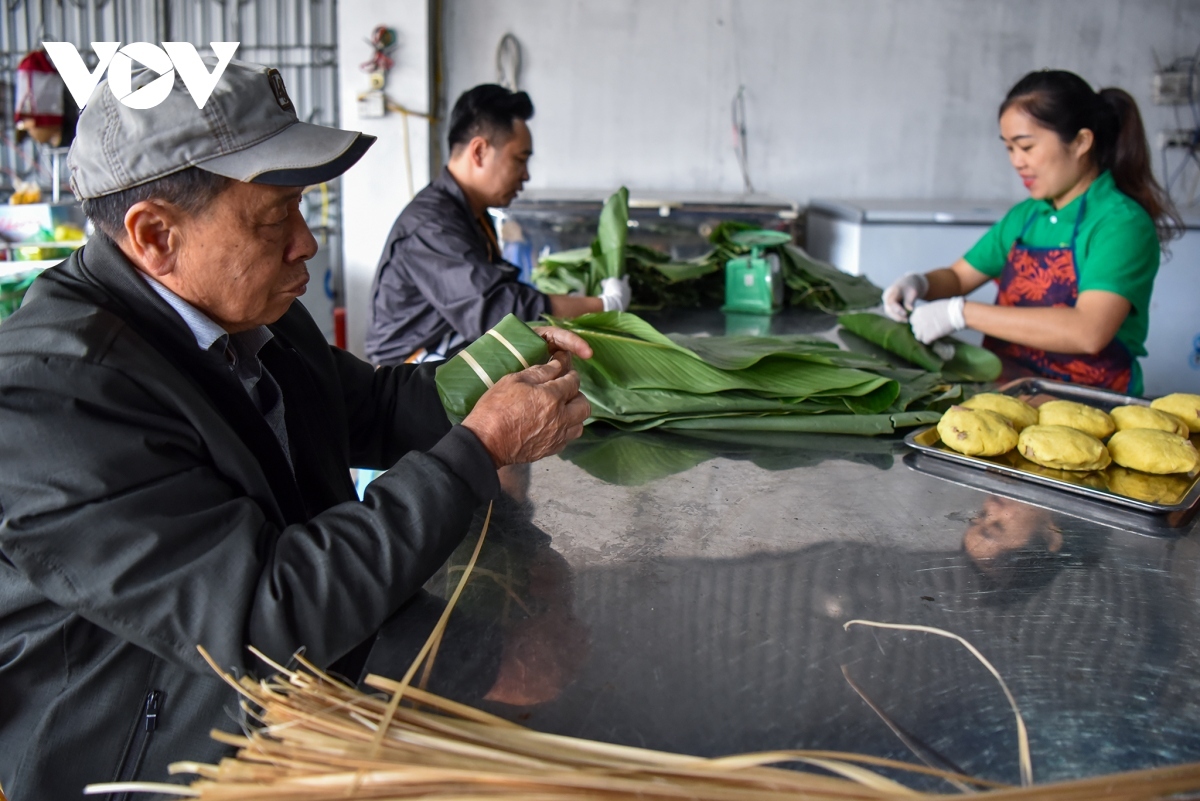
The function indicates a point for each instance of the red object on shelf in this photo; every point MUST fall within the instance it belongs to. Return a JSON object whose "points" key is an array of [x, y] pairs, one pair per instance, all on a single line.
{"points": [[339, 326]]}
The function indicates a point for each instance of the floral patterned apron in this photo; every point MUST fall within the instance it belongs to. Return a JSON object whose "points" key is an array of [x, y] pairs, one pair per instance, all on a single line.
{"points": [[1049, 277]]}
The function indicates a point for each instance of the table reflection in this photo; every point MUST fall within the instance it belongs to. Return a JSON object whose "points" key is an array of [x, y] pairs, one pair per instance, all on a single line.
{"points": [[514, 638], [587, 631], [714, 656]]}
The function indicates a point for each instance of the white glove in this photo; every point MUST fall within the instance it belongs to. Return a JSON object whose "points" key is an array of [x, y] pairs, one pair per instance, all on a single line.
{"points": [[938, 319], [900, 297], [615, 293]]}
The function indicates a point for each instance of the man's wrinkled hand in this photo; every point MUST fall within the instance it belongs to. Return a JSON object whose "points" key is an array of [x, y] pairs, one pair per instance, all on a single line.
{"points": [[560, 340], [531, 414]]}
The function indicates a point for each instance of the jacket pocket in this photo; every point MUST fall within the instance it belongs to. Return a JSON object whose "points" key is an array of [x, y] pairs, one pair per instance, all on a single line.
{"points": [[135, 752]]}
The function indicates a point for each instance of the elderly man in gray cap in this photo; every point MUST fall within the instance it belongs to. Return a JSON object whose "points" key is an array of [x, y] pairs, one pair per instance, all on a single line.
{"points": [[176, 439]]}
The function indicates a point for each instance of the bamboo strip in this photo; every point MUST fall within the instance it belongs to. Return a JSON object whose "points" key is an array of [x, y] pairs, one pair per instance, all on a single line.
{"points": [[141, 787], [921, 751], [1026, 763], [436, 636]]}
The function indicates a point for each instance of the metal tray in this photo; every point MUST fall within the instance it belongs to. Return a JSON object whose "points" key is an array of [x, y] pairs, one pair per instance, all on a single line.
{"points": [[1176, 497]]}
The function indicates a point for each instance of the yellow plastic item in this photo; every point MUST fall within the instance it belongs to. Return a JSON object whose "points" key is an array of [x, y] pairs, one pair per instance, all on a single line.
{"points": [[25, 192], [66, 232]]}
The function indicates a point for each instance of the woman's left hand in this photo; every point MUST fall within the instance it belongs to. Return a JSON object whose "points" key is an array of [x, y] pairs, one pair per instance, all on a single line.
{"points": [[935, 320]]}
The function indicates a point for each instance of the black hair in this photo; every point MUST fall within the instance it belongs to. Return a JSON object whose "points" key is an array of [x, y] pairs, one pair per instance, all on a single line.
{"points": [[191, 190], [1066, 104], [488, 110]]}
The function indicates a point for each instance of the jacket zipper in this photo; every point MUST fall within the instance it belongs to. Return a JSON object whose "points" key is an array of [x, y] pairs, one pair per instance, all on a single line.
{"points": [[151, 709]]}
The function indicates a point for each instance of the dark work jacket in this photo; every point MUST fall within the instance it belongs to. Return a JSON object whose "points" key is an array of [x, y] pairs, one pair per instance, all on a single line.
{"points": [[436, 277], [148, 509]]}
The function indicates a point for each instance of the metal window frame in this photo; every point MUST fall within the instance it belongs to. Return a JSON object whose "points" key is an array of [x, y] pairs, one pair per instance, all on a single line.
{"points": [[298, 37]]}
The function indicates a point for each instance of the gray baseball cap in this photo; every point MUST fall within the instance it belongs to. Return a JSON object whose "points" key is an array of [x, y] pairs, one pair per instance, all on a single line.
{"points": [[248, 130]]}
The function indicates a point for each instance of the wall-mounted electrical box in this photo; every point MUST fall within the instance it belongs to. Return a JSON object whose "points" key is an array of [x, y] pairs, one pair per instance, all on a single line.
{"points": [[1181, 137], [1175, 87], [372, 105]]}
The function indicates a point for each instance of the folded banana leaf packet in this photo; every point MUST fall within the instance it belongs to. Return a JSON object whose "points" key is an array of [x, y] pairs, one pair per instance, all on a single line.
{"points": [[639, 378], [509, 347]]}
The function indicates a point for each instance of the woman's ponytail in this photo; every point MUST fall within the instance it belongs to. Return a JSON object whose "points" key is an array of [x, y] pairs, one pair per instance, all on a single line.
{"points": [[1066, 104], [1125, 152]]}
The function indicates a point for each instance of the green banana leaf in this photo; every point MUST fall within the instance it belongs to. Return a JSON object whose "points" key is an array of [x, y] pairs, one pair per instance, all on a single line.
{"points": [[831, 423], [672, 271], [929, 390], [972, 363], [459, 385], [810, 283], [608, 251], [740, 352], [553, 285], [583, 269], [862, 424], [634, 460], [678, 271], [659, 282], [568, 258], [640, 379], [612, 401], [632, 354], [969, 363], [893, 337], [819, 285]]}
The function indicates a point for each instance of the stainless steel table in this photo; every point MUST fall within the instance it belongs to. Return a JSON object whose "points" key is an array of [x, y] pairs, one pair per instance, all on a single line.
{"points": [[689, 594]]}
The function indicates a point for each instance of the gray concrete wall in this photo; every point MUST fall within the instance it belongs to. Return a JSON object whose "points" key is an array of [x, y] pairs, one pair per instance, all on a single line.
{"points": [[849, 98]]}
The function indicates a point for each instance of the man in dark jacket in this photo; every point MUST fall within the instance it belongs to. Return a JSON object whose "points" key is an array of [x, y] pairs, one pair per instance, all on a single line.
{"points": [[441, 281], [176, 439]]}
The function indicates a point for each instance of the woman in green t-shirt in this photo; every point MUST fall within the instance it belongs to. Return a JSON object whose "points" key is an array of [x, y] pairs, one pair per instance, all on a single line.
{"points": [[1076, 262]]}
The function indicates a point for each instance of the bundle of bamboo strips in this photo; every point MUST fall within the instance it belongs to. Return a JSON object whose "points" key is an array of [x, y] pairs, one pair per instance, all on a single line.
{"points": [[320, 738]]}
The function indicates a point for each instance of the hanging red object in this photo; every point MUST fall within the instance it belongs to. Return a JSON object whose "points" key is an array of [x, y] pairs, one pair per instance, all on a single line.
{"points": [[39, 90], [40, 97]]}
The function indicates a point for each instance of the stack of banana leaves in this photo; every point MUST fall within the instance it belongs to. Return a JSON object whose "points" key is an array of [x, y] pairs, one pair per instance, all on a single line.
{"points": [[639, 379], [659, 282]]}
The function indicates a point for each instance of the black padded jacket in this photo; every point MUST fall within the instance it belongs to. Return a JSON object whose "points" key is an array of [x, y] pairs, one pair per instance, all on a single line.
{"points": [[437, 277], [148, 509]]}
